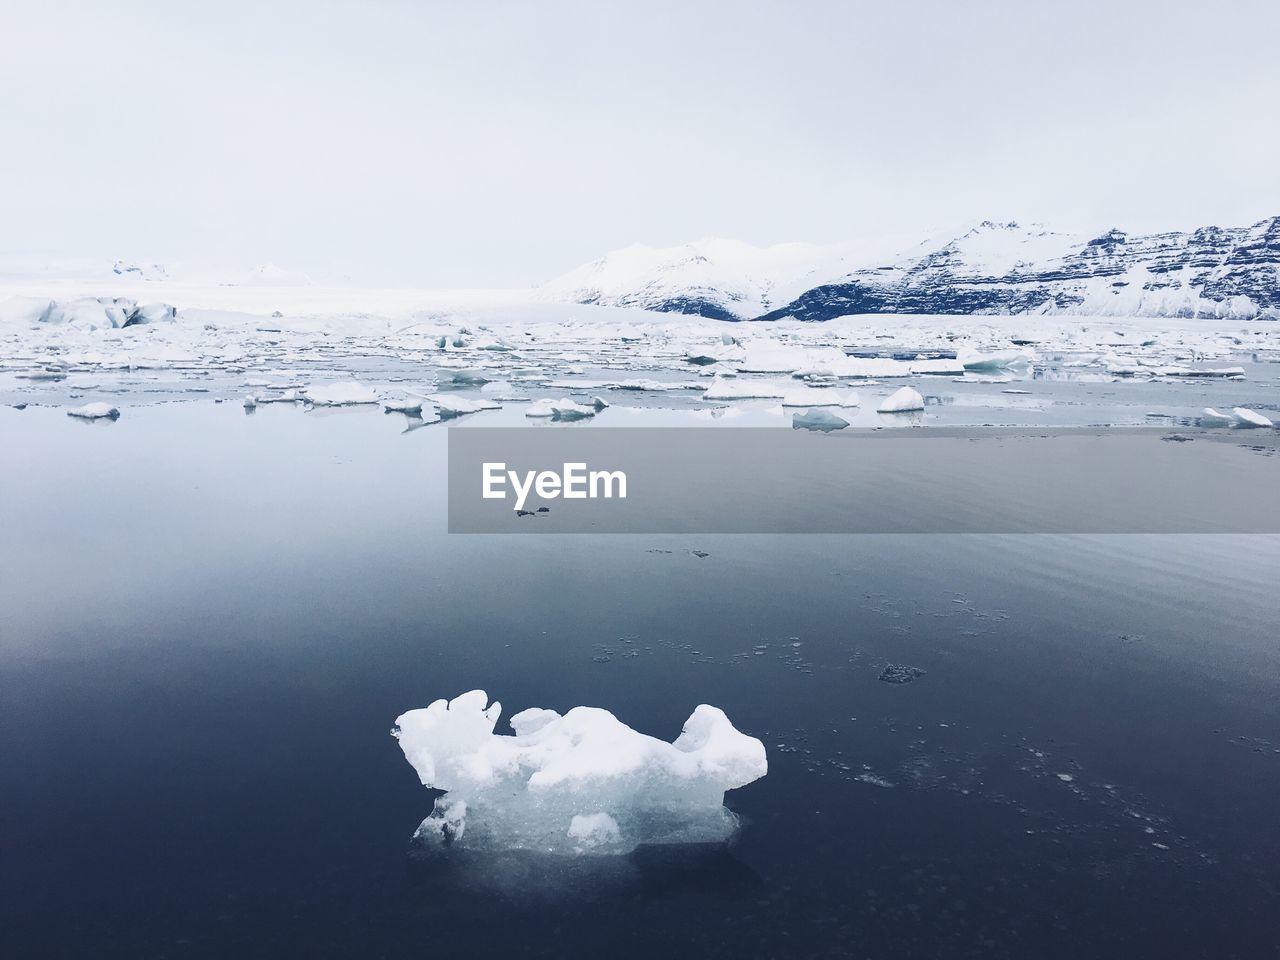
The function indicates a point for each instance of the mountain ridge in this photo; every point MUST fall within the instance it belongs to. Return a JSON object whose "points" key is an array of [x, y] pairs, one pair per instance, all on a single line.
{"points": [[1220, 272]]}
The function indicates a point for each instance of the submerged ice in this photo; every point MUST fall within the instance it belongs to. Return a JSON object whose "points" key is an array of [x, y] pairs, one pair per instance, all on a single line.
{"points": [[577, 783]]}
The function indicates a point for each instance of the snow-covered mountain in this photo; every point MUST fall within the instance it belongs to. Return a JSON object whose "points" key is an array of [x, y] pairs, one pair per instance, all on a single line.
{"points": [[990, 268], [140, 271], [721, 279]]}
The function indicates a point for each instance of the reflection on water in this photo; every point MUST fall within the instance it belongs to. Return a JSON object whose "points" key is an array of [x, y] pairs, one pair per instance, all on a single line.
{"points": [[710, 871]]}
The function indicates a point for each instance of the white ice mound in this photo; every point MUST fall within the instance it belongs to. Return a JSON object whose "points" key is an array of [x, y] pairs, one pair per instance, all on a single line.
{"points": [[94, 411], [902, 401], [341, 394], [582, 782], [1250, 418]]}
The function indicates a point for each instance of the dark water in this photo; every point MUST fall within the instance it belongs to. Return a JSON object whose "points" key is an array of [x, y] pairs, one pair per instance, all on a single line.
{"points": [[208, 623]]}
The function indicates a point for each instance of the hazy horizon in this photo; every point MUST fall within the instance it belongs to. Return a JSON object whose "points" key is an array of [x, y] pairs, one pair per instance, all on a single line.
{"points": [[502, 144]]}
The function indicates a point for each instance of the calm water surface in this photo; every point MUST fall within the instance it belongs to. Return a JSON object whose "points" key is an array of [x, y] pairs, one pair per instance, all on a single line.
{"points": [[208, 623]]}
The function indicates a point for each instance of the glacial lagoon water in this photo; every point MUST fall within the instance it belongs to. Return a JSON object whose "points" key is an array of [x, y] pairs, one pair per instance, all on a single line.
{"points": [[209, 621]]}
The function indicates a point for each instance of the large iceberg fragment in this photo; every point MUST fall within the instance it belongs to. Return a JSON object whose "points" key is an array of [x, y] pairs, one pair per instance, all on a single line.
{"points": [[581, 782], [95, 313]]}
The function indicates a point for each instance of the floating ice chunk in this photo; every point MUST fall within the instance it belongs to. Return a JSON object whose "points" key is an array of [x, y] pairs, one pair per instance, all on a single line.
{"points": [[453, 406], [94, 411], [902, 401], [409, 405], [340, 394], [726, 351], [566, 409], [940, 366], [722, 389], [994, 360], [820, 419], [818, 397], [1232, 373], [984, 378], [650, 386], [285, 396], [1250, 418], [562, 409], [581, 782], [1212, 418], [469, 377]]}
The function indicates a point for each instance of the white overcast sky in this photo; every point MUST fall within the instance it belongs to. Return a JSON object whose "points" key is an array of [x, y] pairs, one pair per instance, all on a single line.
{"points": [[487, 143]]}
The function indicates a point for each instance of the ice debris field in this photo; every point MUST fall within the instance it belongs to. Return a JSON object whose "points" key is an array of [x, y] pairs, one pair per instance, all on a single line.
{"points": [[583, 782], [434, 357]]}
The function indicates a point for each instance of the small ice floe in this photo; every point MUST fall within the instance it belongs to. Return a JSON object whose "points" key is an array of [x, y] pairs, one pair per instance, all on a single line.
{"points": [[724, 352], [819, 397], [340, 394], [409, 405], [984, 378], [94, 411], [285, 396], [1212, 418], [1230, 373], [652, 386], [821, 419], [451, 405], [579, 783], [724, 389], [469, 377], [994, 360], [903, 401], [1250, 418], [562, 409]]}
